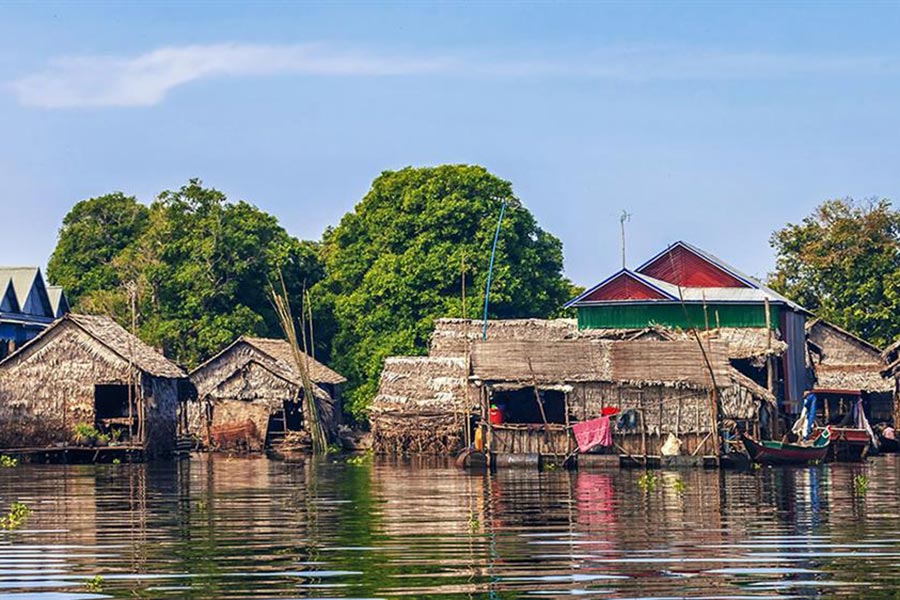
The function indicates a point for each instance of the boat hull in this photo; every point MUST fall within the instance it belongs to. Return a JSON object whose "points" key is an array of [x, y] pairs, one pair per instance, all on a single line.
{"points": [[777, 453]]}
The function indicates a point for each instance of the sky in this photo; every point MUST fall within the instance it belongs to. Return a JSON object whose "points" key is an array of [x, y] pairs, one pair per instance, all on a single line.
{"points": [[715, 123]]}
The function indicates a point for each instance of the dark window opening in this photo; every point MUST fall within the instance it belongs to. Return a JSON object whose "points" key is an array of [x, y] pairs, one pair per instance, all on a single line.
{"points": [[746, 367], [293, 412], [112, 414], [521, 406]]}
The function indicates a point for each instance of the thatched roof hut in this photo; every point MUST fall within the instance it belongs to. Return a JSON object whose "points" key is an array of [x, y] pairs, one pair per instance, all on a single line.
{"points": [[842, 360], [249, 394], [87, 370]]}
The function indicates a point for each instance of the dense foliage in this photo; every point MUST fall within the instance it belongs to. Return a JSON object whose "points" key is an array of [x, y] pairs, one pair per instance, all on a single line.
{"points": [[397, 261], [93, 234], [843, 263], [200, 266]]}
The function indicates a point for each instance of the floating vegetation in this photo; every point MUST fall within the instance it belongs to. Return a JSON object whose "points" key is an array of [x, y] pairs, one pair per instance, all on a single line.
{"points": [[94, 584], [8, 462], [18, 514], [360, 459], [861, 484], [647, 481]]}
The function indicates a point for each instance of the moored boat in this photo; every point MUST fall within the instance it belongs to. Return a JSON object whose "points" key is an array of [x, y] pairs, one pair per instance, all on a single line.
{"points": [[783, 453], [848, 444]]}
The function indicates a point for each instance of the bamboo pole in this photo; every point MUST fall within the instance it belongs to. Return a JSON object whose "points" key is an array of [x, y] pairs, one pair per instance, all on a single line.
{"points": [[714, 397], [310, 410]]}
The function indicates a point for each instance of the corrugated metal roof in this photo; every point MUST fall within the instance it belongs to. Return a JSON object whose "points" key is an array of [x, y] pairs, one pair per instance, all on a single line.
{"points": [[756, 293], [22, 280], [58, 302]]}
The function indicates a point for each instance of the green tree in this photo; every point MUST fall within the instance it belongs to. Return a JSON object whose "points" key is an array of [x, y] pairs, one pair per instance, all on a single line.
{"points": [[395, 264], [843, 263], [93, 235], [201, 268]]}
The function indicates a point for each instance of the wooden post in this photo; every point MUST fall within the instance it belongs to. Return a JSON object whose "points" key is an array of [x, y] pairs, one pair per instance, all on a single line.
{"points": [[770, 372]]}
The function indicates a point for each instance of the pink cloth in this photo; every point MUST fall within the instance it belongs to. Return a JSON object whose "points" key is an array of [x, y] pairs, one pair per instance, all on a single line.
{"points": [[593, 433]]}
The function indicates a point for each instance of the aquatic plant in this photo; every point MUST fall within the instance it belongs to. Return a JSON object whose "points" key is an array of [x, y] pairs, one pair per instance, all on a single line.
{"points": [[94, 584], [861, 484], [474, 523], [360, 459], [16, 517], [679, 485], [647, 481], [117, 461], [8, 462], [335, 448], [85, 433]]}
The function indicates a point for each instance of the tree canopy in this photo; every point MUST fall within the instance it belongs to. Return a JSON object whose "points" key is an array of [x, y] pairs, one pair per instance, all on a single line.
{"points": [[396, 263], [201, 266], [93, 234], [843, 263]]}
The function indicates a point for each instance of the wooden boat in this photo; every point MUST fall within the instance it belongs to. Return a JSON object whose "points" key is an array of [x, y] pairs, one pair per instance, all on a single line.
{"points": [[848, 444], [782, 453]]}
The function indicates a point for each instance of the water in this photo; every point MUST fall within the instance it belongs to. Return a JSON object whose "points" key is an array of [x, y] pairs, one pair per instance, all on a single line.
{"points": [[218, 527]]}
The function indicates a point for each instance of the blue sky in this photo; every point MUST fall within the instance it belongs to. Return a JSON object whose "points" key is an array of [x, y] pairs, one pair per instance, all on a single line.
{"points": [[716, 123]]}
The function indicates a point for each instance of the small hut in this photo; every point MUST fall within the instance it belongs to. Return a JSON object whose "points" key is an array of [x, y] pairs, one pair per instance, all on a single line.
{"points": [[846, 367], [86, 372], [249, 396]]}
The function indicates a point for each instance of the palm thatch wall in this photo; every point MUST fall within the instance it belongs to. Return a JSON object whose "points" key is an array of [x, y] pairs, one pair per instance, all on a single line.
{"points": [[422, 405], [48, 386]]}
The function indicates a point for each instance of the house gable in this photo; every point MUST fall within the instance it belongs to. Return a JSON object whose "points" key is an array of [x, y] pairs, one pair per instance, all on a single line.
{"points": [[8, 302], [684, 266], [623, 286]]}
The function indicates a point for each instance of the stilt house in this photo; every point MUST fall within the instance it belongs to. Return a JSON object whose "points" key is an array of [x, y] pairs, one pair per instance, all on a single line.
{"points": [[846, 367], [249, 395], [547, 375], [87, 371], [687, 288]]}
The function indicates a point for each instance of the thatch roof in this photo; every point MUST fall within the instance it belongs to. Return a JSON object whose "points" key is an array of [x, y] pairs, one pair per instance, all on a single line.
{"points": [[280, 353], [842, 360], [110, 334], [452, 337], [281, 350], [421, 385], [638, 362]]}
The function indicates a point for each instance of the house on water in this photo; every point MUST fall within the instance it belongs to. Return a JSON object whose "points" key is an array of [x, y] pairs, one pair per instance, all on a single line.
{"points": [[686, 288], [545, 376], [27, 306], [86, 372], [248, 395]]}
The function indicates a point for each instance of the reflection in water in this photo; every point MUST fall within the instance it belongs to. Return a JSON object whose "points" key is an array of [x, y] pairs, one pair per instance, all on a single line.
{"points": [[216, 527]]}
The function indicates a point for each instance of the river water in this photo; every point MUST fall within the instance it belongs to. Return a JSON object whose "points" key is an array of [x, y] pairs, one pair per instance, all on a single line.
{"points": [[219, 527]]}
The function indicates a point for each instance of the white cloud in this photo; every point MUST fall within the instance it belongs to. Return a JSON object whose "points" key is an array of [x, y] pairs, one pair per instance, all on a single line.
{"points": [[94, 81], [145, 80]]}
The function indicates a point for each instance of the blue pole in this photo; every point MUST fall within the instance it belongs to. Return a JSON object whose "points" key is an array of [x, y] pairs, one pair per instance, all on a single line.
{"points": [[487, 291]]}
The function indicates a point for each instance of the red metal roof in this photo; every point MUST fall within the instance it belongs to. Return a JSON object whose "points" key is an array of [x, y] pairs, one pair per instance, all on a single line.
{"points": [[679, 266], [623, 286]]}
